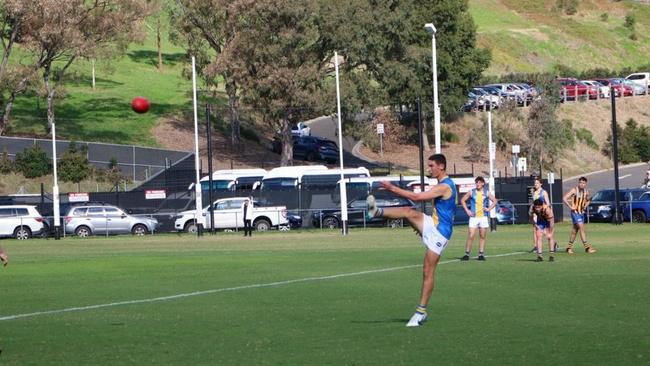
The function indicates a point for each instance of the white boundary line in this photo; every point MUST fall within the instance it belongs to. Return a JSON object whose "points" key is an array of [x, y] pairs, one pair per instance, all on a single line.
{"points": [[218, 290]]}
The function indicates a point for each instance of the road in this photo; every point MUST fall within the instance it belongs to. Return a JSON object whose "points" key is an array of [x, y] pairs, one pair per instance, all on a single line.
{"points": [[327, 127], [629, 176]]}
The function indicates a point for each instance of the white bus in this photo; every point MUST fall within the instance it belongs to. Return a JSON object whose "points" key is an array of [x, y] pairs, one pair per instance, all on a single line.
{"points": [[233, 179]]}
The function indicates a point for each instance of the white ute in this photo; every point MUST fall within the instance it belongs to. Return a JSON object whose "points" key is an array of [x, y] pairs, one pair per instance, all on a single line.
{"points": [[229, 214]]}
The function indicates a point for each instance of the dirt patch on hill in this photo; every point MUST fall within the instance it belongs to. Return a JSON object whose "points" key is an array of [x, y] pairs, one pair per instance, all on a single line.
{"points": [[178, 134]]}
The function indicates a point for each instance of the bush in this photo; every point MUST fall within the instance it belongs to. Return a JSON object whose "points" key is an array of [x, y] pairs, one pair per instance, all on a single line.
{"points": [[633, 143], [73, 164], [6, 164], [604, 17], [585, 136], [630, 21], [33, 162]]}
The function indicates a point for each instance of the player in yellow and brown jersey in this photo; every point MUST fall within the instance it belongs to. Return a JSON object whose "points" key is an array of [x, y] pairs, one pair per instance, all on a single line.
{"points": [[578, 199]]}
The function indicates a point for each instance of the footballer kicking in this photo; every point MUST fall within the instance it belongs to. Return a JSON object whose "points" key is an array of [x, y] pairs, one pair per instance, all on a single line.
{"points": [[578, 199], [435, 230]]}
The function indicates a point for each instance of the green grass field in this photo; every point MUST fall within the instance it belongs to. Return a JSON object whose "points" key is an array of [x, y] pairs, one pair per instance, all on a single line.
{"points": [[316, 298]]}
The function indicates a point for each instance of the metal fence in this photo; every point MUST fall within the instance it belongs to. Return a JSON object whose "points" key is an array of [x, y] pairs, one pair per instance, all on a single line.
{"points": [[138, 163]]}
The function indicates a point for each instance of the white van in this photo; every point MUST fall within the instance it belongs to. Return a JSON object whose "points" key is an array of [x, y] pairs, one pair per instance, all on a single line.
{"points": [[641, 78], [233, 179]]}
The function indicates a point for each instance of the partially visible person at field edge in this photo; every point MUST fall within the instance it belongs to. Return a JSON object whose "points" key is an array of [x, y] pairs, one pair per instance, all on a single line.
{"points": [[544, 227], [481, 203], [4, 258], [577, 199], [435, 230], [646, 180], [248, 217], [541, 194]]}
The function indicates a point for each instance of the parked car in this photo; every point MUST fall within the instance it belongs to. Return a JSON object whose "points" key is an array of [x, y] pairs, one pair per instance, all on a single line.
{"points": [[616, 85], [600, 208], [638, 210], [229, 214], [311, 148], [572, 89], [301, 129], [603, 91], [641, 78], [86, 220], [20, 221], [331, 218], [295, 220], [506, 212], [637, 89]]}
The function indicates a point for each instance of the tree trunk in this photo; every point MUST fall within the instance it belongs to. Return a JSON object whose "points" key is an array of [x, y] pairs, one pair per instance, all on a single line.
{"points": [[233, 106], [50, 96], [286, 159], [425, 138], [159, 45]]}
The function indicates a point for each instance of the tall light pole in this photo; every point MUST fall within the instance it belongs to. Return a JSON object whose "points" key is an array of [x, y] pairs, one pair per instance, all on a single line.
{"points": [[493, 152], [197, 186], [55, 187], [434, 70], [344, 194]]}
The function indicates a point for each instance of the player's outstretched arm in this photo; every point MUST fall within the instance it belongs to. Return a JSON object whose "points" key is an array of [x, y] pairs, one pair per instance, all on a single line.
{"points": [[439, 190]]}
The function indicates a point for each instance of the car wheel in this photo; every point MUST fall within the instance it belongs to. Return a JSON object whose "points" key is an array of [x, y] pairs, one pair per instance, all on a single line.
{"points": [[82, 231], [330, 223], [262, 225], [639, 216], [22, 233], [191, 227], [395, 223], [139, 230]]}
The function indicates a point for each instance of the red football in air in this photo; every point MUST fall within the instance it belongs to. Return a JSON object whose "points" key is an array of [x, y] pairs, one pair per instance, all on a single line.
{"points": [[140, 105]]}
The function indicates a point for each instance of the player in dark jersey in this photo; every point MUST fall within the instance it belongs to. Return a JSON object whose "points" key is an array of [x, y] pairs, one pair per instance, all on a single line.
{"points": [[578, 199]]}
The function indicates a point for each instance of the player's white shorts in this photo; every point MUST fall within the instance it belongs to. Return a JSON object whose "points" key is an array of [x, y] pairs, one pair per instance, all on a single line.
{"points": [[431, 238], [481, 222]]}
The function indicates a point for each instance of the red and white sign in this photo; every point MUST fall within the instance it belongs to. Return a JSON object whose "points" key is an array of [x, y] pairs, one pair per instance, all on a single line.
{"points": [[462, 188], [78, 197], [155, 194]]}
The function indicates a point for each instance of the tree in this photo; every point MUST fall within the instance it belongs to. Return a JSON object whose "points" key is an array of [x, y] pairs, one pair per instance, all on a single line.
{"points": [[33, 162], [277, 56], [14, 77], [73, 164], [202, 26], [60, 32], [387, 39], [546, 135]]}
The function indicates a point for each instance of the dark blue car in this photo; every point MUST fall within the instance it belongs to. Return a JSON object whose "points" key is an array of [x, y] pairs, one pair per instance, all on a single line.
{"points": [[601, 207], [311, 148]]}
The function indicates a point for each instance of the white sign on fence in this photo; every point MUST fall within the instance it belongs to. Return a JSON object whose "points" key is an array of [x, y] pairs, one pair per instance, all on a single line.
{"points": [[78, 197], [380, 128], [155, 194], [551, 178], [521, 165]]}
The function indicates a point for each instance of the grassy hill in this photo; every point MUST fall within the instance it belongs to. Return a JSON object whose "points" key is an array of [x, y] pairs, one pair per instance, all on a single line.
{"points": [[105, 114], [524, 36], [529, 36]]}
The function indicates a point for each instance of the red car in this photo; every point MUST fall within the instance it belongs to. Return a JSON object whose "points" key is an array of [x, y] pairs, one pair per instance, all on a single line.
{"points": [[571, 88], [617, 86]]}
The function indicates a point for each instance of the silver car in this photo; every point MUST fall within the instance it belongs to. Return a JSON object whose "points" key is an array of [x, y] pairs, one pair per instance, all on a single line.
{"points": [[104, 220]]}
